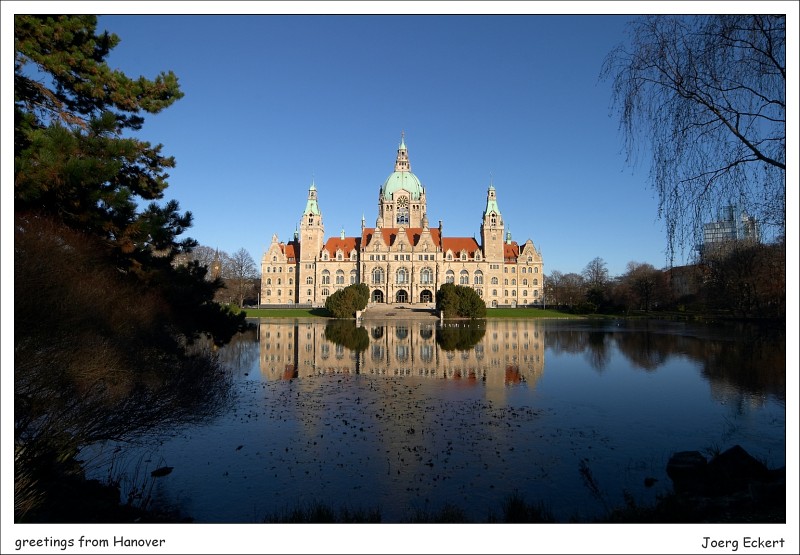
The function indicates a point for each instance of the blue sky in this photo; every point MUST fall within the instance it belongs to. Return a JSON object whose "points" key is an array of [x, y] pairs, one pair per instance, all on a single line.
{"points": [[272, 102]]}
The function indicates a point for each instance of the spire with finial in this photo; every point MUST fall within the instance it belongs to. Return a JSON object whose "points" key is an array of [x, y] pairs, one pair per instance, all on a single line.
{"points": [[402, 164], [311, 205]]}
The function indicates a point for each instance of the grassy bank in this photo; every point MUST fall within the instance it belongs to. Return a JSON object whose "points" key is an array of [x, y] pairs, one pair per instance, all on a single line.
{"points": [[528, 313]]}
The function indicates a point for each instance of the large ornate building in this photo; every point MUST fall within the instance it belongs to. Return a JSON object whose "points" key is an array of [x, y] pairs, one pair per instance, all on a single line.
{"points": [[402, 259]]}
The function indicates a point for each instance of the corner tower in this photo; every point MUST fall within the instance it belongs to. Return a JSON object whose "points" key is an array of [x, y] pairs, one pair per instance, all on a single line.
{"points": [[312, 232], [401, 201], [492, 228]]}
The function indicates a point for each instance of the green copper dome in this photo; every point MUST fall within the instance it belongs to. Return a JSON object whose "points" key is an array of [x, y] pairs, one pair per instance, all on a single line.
{"points": [[401, 180]]}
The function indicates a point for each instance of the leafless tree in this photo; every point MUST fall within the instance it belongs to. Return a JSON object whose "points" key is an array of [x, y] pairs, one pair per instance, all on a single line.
{"points": [[646, 285], [240, 272], [596, 273], [705, 97], [203, 254]]}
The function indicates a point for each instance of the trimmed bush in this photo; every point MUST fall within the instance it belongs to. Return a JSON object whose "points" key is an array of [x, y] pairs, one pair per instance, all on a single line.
{"points": [[345, 302], [457, 301]]}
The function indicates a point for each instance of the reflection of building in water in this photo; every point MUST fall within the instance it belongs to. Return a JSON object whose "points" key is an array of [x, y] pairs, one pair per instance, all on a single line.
{"points": [[402, 259], [510, 351]]}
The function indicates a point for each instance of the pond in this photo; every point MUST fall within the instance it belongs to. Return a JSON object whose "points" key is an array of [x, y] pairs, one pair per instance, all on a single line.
{"points": [[408, 417]]}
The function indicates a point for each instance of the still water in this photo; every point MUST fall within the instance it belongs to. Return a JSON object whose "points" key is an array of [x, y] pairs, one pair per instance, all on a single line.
{"points": [[409, 416]]}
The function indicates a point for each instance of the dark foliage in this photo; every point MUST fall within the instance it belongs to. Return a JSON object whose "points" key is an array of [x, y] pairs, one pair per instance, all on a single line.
{"points": [[345, 332], [459, 338], [110, 333]]}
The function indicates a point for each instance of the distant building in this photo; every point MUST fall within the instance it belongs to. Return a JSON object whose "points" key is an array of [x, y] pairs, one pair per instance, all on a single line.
{"points": [[730, 227], [402, 259]]}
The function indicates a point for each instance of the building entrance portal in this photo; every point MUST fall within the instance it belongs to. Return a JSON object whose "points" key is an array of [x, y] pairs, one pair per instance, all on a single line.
{"points": [[402, 296], [377, 296], [426, 297]]}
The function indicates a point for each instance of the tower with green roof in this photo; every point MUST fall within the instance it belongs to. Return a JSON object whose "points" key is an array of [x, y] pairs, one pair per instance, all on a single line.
{"points": [[312, 237], [401, 200], [492, 228]]}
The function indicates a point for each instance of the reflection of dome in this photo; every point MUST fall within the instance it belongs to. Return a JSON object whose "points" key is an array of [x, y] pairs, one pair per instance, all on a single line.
{"points": [[401, 180]]}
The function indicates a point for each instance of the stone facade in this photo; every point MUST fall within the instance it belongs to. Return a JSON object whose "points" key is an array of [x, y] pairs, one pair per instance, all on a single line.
{"points": [[402, 259]]}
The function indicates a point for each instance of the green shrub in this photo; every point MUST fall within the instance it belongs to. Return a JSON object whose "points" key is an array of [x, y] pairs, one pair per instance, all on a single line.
{"points": [[457, 301], [345, 302]]}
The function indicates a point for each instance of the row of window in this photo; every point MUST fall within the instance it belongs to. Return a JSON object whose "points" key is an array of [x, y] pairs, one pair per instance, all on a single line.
{"points": [[289, 281], [339, 256], [402, 276], [506, 293], [406, 257], [523, 270]]}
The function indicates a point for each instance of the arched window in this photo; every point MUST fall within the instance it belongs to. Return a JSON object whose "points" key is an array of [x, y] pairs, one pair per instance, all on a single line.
{"points": [[513, 282], [339, 277], [494, 292], [325, 255], [377, 275], [353, 277], [505, 282], [269, 292], [494, 281], [426, 276], [291, 281], [325, 292], [353, 255], [463, 277], [279, 281], [535, 270], [309, 280], [449, 277], [269, 281], [402, 275], [536, 282], [326, 277], [463, 255]]}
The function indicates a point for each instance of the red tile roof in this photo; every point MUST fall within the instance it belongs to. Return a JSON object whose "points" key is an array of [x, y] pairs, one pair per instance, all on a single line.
{"points": [[347, 244], [457, 244], [511, 251], [389, 235], [291, 250]]}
